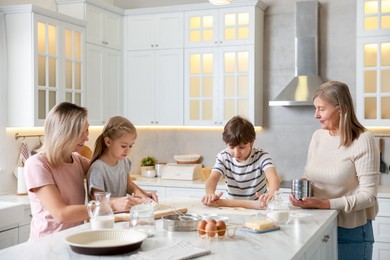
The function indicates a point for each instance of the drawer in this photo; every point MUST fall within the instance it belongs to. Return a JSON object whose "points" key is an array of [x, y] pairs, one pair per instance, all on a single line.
{"points": [[384, 207], [381, 228], [381, 251], [26, 217]]}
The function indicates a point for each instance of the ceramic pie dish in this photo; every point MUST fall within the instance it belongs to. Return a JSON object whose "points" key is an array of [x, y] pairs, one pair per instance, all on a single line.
{"points": [[105, 241]]}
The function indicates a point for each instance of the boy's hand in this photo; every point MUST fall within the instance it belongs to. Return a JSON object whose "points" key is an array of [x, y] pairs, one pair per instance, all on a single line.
{"points": [[209, 198], [264, 198]]}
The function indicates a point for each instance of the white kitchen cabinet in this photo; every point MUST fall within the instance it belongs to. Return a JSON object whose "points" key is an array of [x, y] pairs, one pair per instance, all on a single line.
{"points": [[104, 56], [373, 62], [104, 83], [381, 228], [45, 63], [154, 31], [223, 65], [9, 237], [155, 87], [104, 27], [219, 84], [24, 226], [324, 246], [220, 27]]}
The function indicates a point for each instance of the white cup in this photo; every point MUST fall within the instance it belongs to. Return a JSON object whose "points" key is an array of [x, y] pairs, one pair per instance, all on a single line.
{"points": [[150, 173], [159, 168]]}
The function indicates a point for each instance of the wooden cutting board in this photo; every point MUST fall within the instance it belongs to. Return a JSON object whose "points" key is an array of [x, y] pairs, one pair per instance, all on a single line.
{"points": [[161, 211]]}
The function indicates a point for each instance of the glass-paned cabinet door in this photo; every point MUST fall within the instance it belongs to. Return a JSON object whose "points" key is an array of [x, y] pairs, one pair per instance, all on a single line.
{"points": [[236, 26], [73, 65], [200, 86], [47, 58], [373, 82], [236, 93], [373, 17], [201, 28]]}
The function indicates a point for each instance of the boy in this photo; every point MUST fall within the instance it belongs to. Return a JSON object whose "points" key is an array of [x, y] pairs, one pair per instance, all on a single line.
{"points": [[244, 168]]}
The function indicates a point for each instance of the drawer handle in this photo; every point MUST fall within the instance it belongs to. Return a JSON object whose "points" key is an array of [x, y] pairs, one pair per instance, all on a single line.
{"points": [[325, 238]]}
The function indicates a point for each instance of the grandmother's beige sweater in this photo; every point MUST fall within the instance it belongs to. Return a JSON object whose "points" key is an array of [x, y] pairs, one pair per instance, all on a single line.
{"points": [[348, 176]]}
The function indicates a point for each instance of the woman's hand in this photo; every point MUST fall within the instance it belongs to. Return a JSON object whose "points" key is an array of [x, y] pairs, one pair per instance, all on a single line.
{"points": [[208, 199], [310, 203]]}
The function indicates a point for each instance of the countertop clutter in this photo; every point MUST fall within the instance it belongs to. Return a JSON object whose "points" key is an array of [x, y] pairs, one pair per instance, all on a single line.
{"points": [[298, 238]]}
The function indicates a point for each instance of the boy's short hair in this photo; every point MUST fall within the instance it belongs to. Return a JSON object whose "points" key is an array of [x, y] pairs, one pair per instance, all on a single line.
{"points": [[238, 130]]}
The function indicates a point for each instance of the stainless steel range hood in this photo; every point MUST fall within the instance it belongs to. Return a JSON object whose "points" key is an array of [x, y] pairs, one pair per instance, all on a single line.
{"points": [[300, 90]]}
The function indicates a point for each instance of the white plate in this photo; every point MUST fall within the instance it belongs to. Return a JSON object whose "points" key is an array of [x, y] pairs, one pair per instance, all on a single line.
{"points": [[186, 157], [106, 241]]}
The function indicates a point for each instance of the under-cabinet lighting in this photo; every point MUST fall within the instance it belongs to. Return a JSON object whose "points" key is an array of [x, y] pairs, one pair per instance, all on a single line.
{"points": [[220, 2]]}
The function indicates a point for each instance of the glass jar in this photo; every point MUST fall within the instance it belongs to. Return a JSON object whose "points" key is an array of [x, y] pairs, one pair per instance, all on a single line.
{"points": [[142, 218], [278, 209], [102, 217]]}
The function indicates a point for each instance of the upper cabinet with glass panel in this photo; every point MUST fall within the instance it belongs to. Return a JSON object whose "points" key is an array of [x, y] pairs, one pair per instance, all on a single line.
{"points": [[227, 26], [221, 55], [373, 62], [45, 63]]}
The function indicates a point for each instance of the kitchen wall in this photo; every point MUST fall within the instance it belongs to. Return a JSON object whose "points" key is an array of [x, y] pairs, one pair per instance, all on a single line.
{"points": [[287, 130]]}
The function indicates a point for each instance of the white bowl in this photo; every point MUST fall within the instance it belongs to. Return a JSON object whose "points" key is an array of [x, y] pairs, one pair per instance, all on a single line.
{"points": [[186, 158]]}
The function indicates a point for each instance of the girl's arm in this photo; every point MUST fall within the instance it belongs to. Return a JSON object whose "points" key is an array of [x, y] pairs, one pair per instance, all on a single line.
{"points": [[248, 204], [133, 188]]}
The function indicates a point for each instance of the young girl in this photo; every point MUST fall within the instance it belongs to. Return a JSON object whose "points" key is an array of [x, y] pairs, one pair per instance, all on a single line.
{"points": [[244, 167], [109, 171], [55, 175]]}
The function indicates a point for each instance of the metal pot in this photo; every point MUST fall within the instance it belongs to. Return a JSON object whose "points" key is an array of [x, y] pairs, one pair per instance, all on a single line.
{"points": [[301, 189]]}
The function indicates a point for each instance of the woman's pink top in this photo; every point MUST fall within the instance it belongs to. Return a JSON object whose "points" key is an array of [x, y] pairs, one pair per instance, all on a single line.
{"points": [[69, 180]]}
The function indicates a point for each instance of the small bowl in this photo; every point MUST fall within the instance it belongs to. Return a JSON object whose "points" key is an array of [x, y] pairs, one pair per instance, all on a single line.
{"points": [[150, 173]]}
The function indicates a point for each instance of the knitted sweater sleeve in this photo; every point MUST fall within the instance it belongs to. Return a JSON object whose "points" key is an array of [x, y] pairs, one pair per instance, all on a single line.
{"points": [[366, 160]]}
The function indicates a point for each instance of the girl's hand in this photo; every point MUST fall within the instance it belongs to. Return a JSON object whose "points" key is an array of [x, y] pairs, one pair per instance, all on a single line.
{"points": [[209, 198], [124, 203], [153, 196]]}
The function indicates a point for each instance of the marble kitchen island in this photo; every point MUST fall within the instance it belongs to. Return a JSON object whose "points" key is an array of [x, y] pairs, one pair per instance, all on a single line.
{"points": [[310, 234]]}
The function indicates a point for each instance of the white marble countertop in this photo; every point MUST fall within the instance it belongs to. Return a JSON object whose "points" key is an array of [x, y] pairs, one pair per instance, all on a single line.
{"points": [[293, 238], [383, 192]]}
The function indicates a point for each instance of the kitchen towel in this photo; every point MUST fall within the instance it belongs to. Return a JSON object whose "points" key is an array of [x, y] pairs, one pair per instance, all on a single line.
{"points": [[177, 251]]}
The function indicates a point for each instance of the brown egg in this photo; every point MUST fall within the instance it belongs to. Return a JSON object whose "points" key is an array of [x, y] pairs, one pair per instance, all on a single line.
{"points": [[221, 228], [202, 227], [212, 220], [211, 229]]}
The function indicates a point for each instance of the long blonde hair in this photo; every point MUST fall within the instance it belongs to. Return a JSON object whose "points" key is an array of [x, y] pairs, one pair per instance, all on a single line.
{"points": [[337, 94], [63, 129], [114, 128]]}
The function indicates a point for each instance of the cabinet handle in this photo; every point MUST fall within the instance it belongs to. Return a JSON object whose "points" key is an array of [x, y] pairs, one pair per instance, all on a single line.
{"points": [[152, 45], [325, 239], [156, 45], [216, 42]]}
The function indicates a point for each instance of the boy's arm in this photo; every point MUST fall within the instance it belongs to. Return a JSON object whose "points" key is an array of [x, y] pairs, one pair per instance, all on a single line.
{"points": [[273, 180], [248, 204], [212, 181]]}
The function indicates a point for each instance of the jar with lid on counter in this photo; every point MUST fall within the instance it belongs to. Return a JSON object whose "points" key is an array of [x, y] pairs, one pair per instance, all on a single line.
{"points": [[278, 209]]}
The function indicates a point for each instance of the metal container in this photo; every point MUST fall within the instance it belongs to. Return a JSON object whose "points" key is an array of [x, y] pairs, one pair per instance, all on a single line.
{"points": [[301, 189], [181, 222]]}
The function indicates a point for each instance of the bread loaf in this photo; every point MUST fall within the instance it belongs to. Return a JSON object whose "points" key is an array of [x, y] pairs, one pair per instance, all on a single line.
{"points": [[259, 224]]}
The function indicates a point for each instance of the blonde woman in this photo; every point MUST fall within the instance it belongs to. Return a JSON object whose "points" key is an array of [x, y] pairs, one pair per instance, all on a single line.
{"points": [[110, 166], [55, 175], [343, 163]]}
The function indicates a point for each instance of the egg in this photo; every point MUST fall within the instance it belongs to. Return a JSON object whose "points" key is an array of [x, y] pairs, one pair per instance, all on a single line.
{"points": [[212, 220], [211, 229], [202, 227], [221, 228]]}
